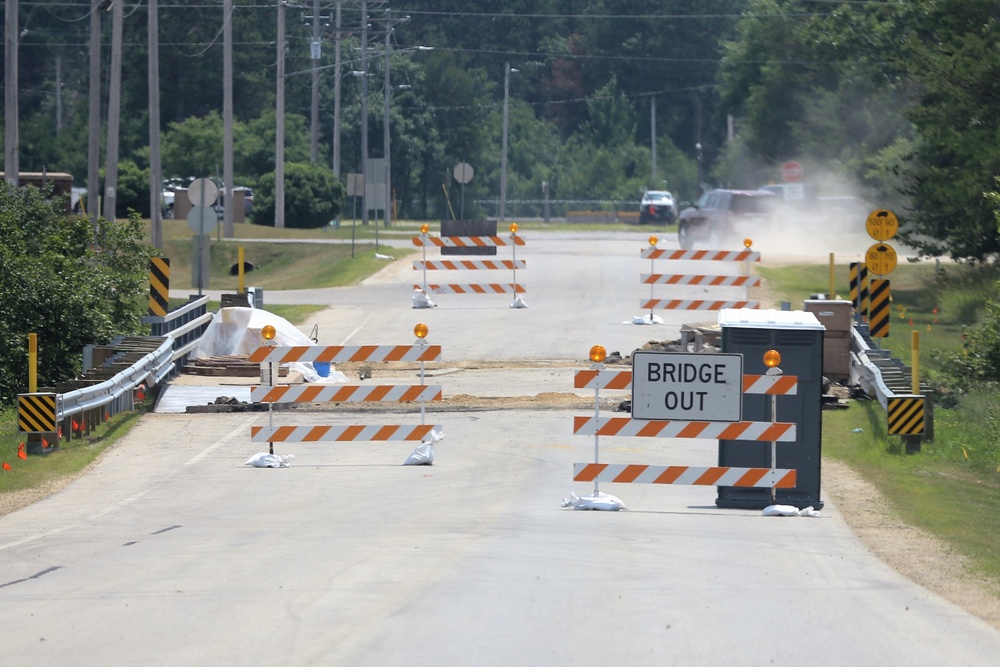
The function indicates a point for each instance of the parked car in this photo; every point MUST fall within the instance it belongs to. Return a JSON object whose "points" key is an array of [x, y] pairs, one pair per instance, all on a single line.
{"points": [[722, 216], [657, 206]]}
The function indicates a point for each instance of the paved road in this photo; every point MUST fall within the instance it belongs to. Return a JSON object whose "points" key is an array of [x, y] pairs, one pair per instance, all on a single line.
{"points": [[172, 551]]}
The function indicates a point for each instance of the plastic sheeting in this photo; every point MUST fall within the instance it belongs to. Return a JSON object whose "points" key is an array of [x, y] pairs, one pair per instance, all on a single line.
{"points": [[235, 331]]}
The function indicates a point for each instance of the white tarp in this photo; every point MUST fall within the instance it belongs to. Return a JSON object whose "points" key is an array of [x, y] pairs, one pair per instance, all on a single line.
{"points": [[236, 331]]}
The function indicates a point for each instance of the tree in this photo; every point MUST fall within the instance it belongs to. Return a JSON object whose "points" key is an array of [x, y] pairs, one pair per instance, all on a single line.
{"points": [[313, 196], [69, 283], [952, 54]]}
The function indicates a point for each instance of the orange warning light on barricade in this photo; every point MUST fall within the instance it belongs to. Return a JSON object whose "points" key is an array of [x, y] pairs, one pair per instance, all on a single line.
{"points": [[653, 240], [268, 332], [772, 358], [747, 242], [420, 331], [513, 228], [598, 354], [424, 228]]}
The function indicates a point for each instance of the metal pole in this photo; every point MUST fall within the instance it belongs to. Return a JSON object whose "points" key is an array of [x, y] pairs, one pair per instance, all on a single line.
{"points": [[503, 152], [652, 133]]}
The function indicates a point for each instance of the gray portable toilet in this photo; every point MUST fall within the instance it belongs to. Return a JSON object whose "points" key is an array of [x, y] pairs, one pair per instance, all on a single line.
{"points": [[798, 336]]}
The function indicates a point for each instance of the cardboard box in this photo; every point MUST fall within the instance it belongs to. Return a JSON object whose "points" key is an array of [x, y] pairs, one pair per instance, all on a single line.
{"points": [[834, 315], [837, 357]]}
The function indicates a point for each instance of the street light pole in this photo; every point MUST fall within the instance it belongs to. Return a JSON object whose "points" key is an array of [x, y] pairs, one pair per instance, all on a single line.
{"points": [[503, 153]]}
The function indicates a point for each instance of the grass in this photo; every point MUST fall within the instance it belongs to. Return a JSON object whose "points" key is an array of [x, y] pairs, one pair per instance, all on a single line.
{"points": [[71, 457], [933, 490], [951, 487], [278, 266]]}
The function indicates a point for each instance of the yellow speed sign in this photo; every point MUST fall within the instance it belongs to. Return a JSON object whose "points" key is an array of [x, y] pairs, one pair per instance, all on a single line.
{"points": [[881, 259], [882, 225]]}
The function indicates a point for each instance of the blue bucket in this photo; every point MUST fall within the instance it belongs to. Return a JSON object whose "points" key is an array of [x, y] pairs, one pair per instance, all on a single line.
{"points": [[322, 368]]}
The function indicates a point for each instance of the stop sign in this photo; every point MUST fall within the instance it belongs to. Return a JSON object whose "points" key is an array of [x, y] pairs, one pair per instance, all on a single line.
{"points": [[791, 172]]}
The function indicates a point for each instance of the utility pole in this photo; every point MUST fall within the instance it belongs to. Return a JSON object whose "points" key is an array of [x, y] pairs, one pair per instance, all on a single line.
{"points": [[12, 29], [387, 213], [114, 110], [314, 53], [155, 175], [279, 166], [364, 118], [336, 97], [652, 133], [94, 115], [227, 119], [58, 94]]}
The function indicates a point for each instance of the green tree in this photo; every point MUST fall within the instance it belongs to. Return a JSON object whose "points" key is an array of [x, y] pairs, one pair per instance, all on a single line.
{"points": [[133, 190], [313, 196], [69, 283], [951, 52]]}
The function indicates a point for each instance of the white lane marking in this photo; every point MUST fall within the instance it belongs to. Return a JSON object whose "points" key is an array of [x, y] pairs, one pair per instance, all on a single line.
{"points": [[239, 430], [351, 335]]}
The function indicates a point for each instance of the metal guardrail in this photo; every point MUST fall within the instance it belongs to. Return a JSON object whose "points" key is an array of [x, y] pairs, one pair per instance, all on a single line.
{"points": [[887, 379], [185, 325], [133, 364], [117, 392]]}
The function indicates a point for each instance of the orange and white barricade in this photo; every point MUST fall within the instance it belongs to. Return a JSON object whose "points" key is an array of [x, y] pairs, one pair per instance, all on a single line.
{"points": [[270, 393], [744, 280], [425, 241], [598, 377]]}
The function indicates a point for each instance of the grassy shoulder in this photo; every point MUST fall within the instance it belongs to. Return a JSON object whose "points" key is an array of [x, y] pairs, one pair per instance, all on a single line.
{"points": [[71, 456], [951, 487]]}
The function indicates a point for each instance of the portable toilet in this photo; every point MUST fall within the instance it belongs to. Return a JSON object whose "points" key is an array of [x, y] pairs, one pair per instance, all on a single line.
{"points": [[798, 337]]}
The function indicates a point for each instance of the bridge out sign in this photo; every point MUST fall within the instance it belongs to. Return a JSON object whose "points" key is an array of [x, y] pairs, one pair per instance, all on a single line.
{"points": [[687, 387]]}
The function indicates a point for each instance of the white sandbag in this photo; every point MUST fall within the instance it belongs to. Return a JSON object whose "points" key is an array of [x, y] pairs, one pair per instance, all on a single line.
{"points": [[265, 460], [423, 455], [518, 302], [602, 501], [789, 510], [645, 319], [421, 300]]}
